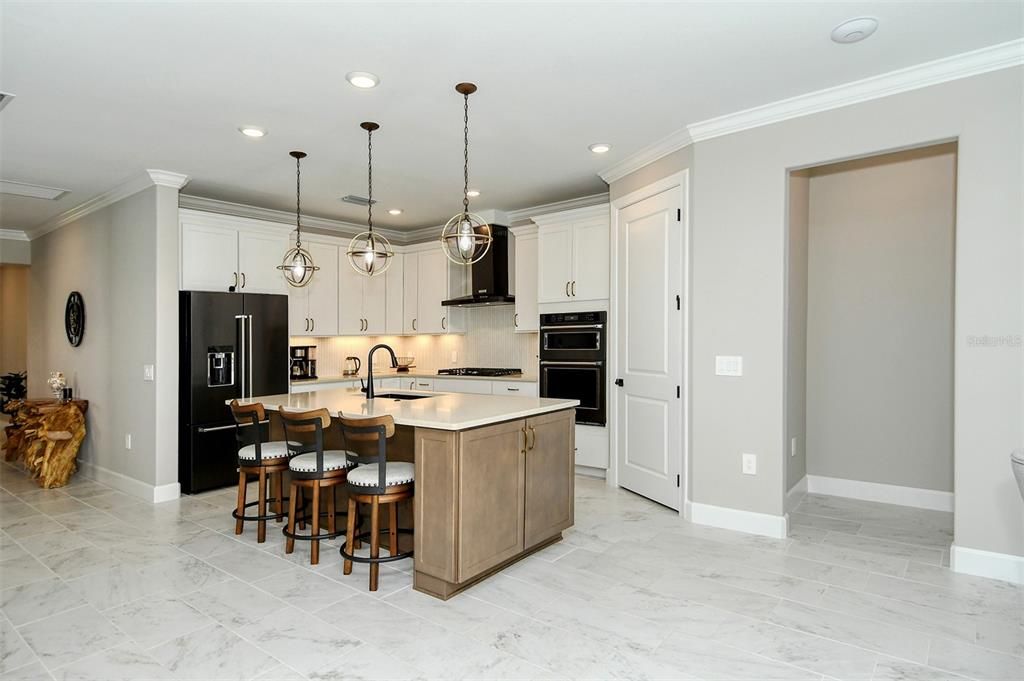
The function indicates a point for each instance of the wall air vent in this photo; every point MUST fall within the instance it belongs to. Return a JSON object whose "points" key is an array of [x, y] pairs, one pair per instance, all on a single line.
{"points": [[32, 191], [5, 99], [358, 200]]}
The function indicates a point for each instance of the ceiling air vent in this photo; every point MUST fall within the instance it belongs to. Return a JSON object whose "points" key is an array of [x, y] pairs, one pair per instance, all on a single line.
{"points": [[33, 191], [358, 200], [5, 99]]}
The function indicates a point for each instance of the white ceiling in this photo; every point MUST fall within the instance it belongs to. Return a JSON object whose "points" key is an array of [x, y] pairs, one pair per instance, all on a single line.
{"points": [[105, 90]]}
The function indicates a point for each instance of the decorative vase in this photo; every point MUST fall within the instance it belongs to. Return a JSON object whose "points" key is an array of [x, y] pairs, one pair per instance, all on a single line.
{"points": [[57, 383]]}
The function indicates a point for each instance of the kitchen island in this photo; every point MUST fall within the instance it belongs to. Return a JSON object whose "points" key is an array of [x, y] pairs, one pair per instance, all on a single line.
{"points": [[494, 474]]}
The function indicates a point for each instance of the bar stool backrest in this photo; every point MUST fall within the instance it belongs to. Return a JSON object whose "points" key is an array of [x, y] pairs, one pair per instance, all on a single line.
{"points": [[370, 429], [249, 419], [304, 432]]}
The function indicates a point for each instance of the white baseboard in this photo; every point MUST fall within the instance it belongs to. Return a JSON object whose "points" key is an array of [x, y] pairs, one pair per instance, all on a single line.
{"points": [[136, 488], [591, 472], [741, 521], [1004, 566], [876, 491], [796, 494]]}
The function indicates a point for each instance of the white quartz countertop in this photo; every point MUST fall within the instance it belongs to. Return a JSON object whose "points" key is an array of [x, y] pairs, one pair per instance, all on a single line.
{"points": [[442, 411], [391, 373]]}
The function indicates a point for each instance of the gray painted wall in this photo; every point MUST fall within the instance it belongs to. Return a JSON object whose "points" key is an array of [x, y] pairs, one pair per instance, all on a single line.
{"points": [[111, 257], [739, 279], [796, 330], [880, 319]]}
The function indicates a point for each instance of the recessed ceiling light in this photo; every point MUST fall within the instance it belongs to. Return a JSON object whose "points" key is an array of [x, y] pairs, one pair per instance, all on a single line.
{"points": [[395, 211], [854, 30], [252, 131], [362, 79], [472, 193], [600, 147]]}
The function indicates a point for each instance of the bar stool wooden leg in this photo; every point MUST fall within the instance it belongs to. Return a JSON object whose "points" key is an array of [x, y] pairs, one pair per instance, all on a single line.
{"points": [[393, 528], [277, 485], [332, 525], [314, 550], [289, 544], [239, 523], [350, 533], [302, 507], [261, 525], [374, 541]]}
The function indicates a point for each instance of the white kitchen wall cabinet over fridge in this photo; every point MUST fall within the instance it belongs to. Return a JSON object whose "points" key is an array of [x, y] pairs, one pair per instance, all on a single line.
{"points": [[572, 255], [527, 316], [313, 309], [430, 279], [220, 251]]}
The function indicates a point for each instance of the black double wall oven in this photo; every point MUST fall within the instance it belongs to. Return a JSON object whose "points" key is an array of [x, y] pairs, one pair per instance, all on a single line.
{"points": [[573, 362]]}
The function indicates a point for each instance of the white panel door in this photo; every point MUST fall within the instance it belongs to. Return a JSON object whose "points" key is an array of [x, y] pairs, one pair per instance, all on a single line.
{"points": [[589, 260], [209, 258], [433, 288], [649, 417], [554, 263], [410, 298], [259, 254], [350, 298], [323, 290], [298, 312], [375, 294], [394, 306], [527, 316]]}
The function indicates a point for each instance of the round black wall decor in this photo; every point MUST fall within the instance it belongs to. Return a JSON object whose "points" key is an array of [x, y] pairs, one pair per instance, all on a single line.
{"points": [[74, 318]]}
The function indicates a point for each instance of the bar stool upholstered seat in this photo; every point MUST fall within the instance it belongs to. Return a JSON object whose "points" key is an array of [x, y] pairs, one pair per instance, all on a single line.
{"points": [[266, 460]]}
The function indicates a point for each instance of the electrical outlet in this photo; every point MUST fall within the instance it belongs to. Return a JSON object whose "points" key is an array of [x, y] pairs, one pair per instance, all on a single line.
{"points": [[728, 365], [455, 357], [148, 372], [750, 464], [127, 440], [792, 446]]}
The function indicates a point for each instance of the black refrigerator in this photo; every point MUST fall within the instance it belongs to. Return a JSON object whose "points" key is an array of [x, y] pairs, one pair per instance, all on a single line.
{"points": [[232, 345]]}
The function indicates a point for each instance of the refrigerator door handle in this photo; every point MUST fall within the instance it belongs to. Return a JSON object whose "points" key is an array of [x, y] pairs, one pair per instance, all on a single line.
{"points": [[248, 356], [241, 346]]}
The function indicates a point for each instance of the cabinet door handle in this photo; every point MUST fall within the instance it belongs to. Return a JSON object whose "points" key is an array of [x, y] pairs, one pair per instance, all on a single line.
{"points": [[234, 281], [413, 323], [312, 324], [243, 279], [307, 324], [573, 288], [512, 390], [525, 440], [515, 320], [533, 440], [566, 289], [444, 323]]}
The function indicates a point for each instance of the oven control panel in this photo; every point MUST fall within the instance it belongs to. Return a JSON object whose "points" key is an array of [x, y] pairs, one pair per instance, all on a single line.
{"points": [[574, 318]]}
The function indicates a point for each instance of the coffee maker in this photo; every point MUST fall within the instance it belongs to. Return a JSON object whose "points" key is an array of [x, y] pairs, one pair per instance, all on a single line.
{"points": [[303, 362]]}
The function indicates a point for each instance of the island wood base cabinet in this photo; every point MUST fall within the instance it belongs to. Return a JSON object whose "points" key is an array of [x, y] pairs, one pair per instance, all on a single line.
{"points": [[489, 496]]}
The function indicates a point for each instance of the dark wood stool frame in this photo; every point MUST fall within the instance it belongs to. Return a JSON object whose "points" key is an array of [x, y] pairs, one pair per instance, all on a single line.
{"points": [[378, 429], [301, 424], [249, 418]]}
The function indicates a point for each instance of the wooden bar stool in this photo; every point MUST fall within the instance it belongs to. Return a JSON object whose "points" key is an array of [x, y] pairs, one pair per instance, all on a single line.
{"points": [[316, 470], [266, 460], [375, 482]]}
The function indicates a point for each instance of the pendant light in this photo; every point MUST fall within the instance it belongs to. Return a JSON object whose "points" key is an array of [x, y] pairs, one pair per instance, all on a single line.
{"points": [[297, 265], [465, 238], [370, 254]]}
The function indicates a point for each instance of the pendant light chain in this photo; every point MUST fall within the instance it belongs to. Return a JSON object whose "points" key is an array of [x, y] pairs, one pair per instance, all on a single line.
{"points": [[369, 179], [298, 202], [465, 153]]}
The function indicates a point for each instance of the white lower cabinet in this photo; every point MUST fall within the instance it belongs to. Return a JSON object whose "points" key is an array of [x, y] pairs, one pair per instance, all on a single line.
{"points": [[462, 385], [326, 385], [522, 388], [592, 446]]}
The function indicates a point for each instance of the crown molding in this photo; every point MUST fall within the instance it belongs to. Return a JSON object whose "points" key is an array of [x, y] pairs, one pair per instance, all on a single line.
{"points": [[993, 58], [964, 65], [13, 235], [557, 206], [649, 154], [559, 217], [134, 185]]}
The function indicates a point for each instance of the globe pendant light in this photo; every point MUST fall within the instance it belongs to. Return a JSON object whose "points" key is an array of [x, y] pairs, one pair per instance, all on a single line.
{"points": [[466, 237], [297, 265], [370, 254]]}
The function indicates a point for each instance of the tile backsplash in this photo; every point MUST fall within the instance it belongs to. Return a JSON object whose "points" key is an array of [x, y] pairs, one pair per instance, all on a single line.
{"points": [[490, 341]]}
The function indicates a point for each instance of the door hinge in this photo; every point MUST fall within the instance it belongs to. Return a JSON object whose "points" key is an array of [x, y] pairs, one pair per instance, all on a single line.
{"points": [[619, 382], [678, 481], [679, 391], [679, 302], [679, 214]]}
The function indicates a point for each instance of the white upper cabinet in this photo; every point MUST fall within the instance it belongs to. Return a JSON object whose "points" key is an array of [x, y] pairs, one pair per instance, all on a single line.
{"points": [[527, 317], [218, 252], [395, 286], [322, 293], [572, 257], [375, 300], [429, 280], [410, 291], [350, 298]]}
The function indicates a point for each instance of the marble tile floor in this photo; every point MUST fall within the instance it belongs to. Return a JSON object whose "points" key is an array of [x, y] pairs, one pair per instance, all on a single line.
{"points": [[97, 585]]}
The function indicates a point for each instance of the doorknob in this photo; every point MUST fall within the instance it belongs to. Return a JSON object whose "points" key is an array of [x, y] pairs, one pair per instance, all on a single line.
{"points": [[619, 382]]}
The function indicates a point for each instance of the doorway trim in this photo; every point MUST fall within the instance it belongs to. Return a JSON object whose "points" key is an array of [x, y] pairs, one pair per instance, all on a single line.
{"points": [[681, 180]]}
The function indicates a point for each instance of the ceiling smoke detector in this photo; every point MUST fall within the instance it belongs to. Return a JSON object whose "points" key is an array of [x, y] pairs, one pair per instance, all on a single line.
{"points": [[854, 30]]}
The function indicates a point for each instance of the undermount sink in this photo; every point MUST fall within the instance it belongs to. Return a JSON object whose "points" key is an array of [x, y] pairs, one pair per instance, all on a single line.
{"points": [[400, 396]]}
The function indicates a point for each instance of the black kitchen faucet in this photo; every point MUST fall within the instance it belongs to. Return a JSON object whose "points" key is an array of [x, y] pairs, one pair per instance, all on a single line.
{"points": [[369, 364]]}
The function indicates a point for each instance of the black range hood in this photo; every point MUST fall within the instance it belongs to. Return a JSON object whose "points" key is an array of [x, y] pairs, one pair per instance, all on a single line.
{"points": [[489, 276]]}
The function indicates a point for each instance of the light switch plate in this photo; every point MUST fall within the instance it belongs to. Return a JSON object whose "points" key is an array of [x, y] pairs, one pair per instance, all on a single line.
{"points": [[127, 440], [750, 464], [792, 446], [148, 372], [728, 365]]}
